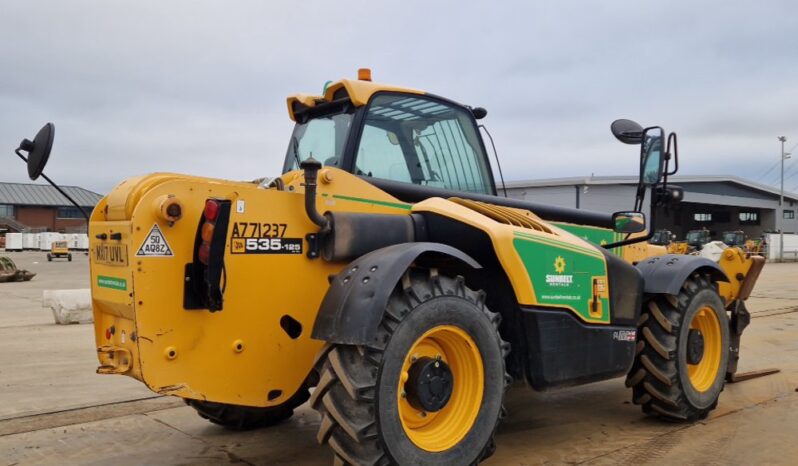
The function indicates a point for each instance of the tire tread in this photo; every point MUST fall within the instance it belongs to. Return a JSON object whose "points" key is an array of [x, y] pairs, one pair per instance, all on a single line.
{"points": [[654, 376], [347, 386]]}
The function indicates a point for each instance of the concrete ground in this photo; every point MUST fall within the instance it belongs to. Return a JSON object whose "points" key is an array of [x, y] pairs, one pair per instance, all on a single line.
{"points": [[56, 410]]}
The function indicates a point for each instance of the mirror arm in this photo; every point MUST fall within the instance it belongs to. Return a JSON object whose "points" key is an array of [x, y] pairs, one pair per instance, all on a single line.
{"points": [[675, 152], [58, 188], [625, 242]]}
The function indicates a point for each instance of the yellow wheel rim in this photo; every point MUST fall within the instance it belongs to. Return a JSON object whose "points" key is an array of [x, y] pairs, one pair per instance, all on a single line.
{"points": [[442, 430], [702, 375]]}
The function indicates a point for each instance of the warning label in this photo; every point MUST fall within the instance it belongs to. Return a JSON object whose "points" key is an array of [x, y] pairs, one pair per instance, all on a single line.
{"points": [[155, 244]]}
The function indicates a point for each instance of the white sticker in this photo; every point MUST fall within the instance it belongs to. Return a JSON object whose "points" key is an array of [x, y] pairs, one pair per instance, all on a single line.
{"points": [[240, 206], [155, 244]]}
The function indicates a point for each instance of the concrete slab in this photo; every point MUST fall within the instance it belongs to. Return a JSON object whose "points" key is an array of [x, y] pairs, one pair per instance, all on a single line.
{"points": [[127, 440], [46, 367]]}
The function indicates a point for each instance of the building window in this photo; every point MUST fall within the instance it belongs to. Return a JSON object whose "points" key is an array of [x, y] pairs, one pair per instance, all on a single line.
{"points": [[69, 212], [749, 218], [6, 210], [702, 217], [789, 214]]}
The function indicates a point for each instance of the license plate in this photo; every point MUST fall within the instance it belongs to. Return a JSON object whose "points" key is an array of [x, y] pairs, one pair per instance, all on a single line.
{"points": [[111, 254]]}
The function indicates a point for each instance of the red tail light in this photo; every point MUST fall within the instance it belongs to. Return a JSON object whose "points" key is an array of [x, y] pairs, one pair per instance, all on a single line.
{"points": [[211, 210]]}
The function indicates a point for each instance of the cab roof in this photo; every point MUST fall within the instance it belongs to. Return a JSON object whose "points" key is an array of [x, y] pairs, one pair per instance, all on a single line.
{"points": [[358, 91]]}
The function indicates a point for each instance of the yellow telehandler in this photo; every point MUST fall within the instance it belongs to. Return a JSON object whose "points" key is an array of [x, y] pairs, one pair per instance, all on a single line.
{"points": [[382, 272]]}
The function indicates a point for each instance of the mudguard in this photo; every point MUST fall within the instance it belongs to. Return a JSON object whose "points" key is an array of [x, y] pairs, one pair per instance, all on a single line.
{"points": [[352, 309], [666, 274]]}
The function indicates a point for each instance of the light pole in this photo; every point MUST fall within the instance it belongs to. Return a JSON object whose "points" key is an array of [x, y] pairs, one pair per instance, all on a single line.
{"points": [[784, 156]]}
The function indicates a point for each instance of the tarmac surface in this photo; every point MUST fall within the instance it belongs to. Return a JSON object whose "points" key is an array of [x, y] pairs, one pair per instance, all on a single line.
{"points": [[56, 410]]}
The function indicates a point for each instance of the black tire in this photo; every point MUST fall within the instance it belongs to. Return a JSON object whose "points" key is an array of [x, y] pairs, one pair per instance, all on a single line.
{"points": [[237, 417], [69, 257], [49, 258], [357, 394], [659, 376]]}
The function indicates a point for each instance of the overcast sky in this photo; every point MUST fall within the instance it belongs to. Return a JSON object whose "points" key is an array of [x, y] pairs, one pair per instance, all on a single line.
{"points": [[199, 87]]}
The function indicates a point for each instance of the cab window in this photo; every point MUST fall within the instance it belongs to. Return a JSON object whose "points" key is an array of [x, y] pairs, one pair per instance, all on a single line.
{"points": [[422, 141], [322, 137]]}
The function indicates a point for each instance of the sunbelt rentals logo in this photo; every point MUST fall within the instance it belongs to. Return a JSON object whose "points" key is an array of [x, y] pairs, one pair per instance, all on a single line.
{"points": [[559, 278]]}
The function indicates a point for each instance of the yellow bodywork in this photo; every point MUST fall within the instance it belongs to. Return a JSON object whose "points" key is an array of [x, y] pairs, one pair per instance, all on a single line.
{"points": [[678, 247], [141, 328], [60, 248], [359, 93], [241, 355]]}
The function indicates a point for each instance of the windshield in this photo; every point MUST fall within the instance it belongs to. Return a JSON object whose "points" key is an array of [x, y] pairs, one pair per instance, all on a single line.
{"points": [[322, 137], [730, 238], [661, 237], [423, 141], [695, 236]]}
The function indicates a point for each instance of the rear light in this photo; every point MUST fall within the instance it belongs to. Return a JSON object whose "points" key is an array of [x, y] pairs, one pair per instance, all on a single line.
{"points": [[211, 210], [204, 253], [204, 276], [211, 213], [207, 232]]}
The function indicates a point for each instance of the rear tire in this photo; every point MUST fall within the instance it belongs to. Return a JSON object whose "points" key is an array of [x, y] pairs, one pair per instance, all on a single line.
{"points": [[364, 394], [69, 257], [682, 353], [237, 417], [49, 258]]}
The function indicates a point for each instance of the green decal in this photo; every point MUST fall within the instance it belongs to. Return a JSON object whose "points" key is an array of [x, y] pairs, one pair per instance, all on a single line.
{"points": [[373, 201], [596, 235], [112, 282], [563, 275]]}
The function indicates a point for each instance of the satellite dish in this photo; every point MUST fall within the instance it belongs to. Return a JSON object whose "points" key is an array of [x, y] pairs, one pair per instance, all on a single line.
{"points": [[627, 131], [38, 150]]}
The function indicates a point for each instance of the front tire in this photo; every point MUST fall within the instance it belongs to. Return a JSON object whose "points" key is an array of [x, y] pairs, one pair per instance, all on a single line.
{"points": [[682, 353], [378, 405]]}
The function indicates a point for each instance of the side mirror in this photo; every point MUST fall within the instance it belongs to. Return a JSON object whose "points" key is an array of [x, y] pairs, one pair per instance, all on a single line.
{"points": [[629, 222], [38, 150], [651, 155], [479, 113], [627, 131]]}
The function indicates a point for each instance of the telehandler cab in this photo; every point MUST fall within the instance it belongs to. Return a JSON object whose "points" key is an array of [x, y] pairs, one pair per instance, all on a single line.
{"points": [[382, 269]]}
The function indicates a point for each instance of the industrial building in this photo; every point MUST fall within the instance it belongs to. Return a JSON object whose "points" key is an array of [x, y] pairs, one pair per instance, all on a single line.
{"points": [[39, 207], [718, 203]]}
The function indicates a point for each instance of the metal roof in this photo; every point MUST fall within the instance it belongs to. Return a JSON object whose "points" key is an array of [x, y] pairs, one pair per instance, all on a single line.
{"points": [[45, 195], [632, 180]]}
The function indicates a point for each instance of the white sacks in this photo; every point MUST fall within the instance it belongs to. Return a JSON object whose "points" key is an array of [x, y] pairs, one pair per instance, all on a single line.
{"points": [[69, 306], [13, 241], [713, 250]]}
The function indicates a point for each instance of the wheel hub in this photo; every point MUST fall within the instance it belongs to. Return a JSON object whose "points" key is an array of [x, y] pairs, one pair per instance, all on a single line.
{"points": [[429, 384], [695, 346]]}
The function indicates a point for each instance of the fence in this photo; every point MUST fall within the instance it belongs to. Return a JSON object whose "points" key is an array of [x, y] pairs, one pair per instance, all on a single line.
{"points": [[790, 246]]}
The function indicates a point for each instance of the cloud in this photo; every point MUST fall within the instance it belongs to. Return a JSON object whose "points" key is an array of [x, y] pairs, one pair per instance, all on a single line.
{"points": [[199, 86]]}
